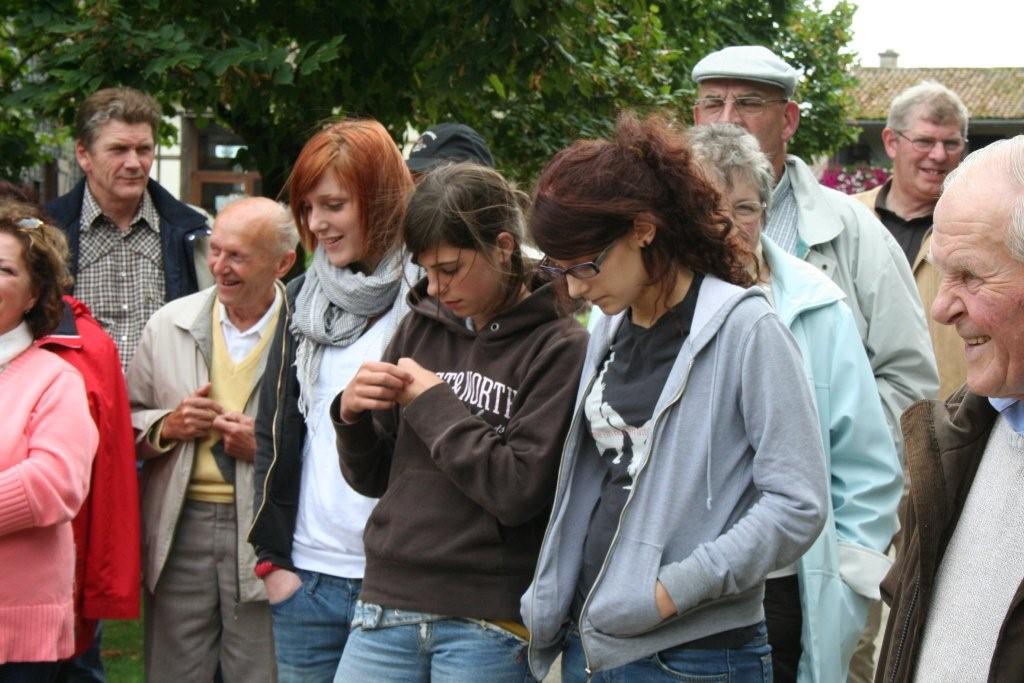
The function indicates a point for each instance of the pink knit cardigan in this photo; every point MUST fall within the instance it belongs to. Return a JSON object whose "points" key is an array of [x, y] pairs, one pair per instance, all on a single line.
{"points": [[47, 443]]}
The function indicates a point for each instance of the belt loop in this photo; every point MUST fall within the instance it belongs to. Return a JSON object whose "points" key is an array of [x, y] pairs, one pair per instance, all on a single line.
{"points": [[314, 583], [374, 617]]}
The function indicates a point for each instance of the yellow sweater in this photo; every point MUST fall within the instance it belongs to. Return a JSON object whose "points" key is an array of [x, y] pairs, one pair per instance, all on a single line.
{"points": [[231, 385]]}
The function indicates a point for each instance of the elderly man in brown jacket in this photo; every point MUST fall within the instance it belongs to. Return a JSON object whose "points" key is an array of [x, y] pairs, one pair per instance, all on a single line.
{"points": [[957, 588]]}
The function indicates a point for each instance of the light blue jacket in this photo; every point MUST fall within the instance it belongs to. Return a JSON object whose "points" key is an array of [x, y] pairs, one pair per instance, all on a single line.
{"points": [[732, 486], [841, 571]]}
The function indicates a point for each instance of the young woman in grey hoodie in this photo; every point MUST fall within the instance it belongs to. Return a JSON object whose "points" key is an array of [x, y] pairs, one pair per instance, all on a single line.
{"points": [[693, 465]]}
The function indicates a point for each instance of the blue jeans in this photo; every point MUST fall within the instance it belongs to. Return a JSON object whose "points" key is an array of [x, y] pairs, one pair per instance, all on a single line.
{"points": [[29, 672], [750, 663], [88, 667], [311, 627], [397, 646]]}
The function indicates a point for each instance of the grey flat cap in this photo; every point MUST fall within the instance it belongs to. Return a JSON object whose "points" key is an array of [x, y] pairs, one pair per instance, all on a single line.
{"points": [[748, 63]]}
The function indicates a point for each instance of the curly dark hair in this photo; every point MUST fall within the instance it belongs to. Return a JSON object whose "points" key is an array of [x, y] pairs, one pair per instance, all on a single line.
{"points": [[44, 250], [590, 194]]}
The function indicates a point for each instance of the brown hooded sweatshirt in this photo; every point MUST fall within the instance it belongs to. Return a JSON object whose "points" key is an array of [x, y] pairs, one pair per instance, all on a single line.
{"points": [[465, 472]]}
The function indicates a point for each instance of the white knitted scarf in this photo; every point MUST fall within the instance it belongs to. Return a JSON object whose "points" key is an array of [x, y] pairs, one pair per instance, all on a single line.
{"points": [[334, 308]]}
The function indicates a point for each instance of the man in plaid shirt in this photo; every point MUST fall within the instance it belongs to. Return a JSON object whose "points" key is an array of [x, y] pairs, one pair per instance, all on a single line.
{"points": [[132, 244]]}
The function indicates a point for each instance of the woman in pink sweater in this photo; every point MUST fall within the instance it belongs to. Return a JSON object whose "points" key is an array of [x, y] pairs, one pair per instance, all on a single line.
{"points": [[47, 442]]}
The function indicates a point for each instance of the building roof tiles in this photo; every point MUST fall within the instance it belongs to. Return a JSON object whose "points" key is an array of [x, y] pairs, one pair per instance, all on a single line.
{"points": [[989, 93]]}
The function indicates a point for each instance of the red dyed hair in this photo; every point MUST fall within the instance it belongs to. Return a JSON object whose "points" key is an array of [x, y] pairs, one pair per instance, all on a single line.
{"points": [[590, 194], [366, 162]]}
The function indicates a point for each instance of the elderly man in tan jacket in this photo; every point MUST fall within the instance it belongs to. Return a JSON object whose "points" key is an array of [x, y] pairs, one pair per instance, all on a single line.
{"points": [[926, 137], [194, 385]]}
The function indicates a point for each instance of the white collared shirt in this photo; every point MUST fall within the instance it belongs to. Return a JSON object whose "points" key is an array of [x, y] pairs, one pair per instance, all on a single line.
{"points": [[240, 344]]}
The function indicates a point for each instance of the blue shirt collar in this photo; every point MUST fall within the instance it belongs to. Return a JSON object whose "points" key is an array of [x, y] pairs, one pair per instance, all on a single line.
{"points": [[1012, 409]]}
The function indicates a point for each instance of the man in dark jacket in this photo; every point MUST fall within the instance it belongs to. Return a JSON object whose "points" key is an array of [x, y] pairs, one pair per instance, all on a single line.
{"points": [[957, 588], [132, 244]]}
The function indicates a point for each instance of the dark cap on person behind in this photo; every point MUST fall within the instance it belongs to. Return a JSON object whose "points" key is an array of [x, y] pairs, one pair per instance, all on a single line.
{"points": [[448, 142]]}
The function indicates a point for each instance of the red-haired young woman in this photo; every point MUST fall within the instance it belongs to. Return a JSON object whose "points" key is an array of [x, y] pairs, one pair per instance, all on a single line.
{"points": [[348, 191]]}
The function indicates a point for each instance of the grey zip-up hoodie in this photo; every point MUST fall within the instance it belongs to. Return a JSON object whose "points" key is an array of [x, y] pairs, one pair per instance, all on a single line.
{"points": [[734, 487]]}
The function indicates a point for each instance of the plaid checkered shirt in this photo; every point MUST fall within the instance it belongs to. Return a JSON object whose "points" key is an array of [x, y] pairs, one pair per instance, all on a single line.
{"points": [[120, 273], [783, 221]]}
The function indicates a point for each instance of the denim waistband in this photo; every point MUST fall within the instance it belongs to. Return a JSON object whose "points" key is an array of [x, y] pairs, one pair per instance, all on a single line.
{"points": [[370, 616]]}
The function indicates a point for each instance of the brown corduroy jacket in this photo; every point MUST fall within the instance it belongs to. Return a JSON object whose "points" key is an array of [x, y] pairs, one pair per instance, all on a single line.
{"points": [[944, 444]]}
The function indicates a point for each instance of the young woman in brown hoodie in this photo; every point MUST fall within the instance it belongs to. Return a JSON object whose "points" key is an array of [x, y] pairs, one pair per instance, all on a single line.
{"points": [[458, 430]]}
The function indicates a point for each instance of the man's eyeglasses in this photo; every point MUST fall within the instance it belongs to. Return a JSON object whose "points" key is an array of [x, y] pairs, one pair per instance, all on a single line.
{"points": [[928, 144], [581, 271], [745, 105]]}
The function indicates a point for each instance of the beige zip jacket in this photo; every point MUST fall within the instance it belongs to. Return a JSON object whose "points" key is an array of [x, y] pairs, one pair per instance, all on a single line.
{"points": [[171, 362]]}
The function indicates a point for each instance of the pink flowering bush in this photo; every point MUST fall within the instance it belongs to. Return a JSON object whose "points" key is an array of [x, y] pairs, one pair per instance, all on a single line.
{"points": [[853, 179]]}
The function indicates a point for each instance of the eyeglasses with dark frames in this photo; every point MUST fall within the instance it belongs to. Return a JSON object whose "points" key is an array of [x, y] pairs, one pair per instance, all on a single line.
{"points": [[745, 105], [951, 146], [581, 271]]}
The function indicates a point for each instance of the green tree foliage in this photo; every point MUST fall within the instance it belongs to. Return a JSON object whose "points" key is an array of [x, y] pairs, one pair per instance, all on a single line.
{"points": [[801, 33], [592, 61], [20, 143], [814, 40], [530, 75]]}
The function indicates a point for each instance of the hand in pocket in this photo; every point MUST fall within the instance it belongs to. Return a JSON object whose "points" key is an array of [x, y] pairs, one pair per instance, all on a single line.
{"points": [[666, 608], [281, 584]]}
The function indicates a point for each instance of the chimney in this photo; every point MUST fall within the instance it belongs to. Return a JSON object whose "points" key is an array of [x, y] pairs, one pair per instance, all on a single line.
{"points": [[887, 59]]}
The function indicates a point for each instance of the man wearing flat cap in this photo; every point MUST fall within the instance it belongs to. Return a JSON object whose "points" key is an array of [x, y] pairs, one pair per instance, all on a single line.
{"points": [[752, 87]]}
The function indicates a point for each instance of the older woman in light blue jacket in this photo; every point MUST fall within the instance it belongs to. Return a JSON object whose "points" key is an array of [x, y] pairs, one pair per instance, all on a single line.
{"points": [[839, 576]]}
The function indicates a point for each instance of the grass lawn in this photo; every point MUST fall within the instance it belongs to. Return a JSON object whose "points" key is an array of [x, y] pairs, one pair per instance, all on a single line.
{"points": [[122, 651]]}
